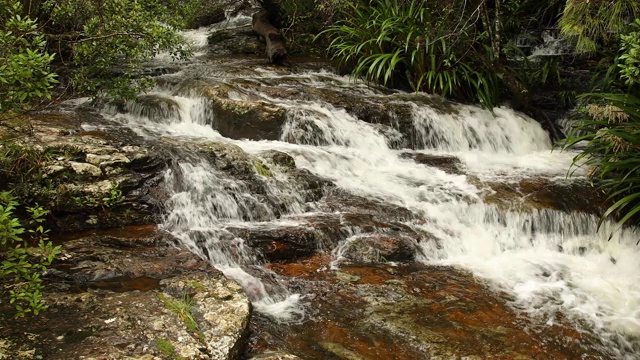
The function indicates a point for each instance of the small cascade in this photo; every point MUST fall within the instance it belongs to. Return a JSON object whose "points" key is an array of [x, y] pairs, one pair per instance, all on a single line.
{"points": [[202, 204], [553, 263], [471, 128], [552, 45]]}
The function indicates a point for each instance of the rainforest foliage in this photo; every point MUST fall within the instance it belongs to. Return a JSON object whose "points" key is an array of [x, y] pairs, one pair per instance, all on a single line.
{"points": [[610, 129], [90, 47]]}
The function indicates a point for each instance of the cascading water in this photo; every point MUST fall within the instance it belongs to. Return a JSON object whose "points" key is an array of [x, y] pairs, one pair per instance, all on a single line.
{"points": [[550, 261]]}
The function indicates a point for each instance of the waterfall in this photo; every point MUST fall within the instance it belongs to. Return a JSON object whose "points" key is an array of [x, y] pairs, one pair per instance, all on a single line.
{"points": [[552, 262]]}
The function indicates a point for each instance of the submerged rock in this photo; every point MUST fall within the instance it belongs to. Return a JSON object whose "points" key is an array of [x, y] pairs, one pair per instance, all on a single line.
{"points": [[414, 311]]}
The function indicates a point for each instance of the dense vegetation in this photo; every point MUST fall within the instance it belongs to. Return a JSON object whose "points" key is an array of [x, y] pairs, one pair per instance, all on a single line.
{"points": [[65, 48], [610, 126]]}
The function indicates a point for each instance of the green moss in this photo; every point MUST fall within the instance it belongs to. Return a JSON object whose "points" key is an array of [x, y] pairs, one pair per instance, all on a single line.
{"points": [[236, 107], [167, 349], [261, 168], [183, 308]]}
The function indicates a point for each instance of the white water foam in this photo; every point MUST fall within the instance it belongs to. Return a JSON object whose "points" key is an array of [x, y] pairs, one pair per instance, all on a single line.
{"points": [[201, 205]]}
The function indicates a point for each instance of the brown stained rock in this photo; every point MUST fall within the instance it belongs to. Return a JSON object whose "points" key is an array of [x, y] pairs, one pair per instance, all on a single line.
{"points": [[321, 232], [130, 316], [542, 193], [342, 201], [380, 247], [104, 257], [281, 243], [416, 311]]}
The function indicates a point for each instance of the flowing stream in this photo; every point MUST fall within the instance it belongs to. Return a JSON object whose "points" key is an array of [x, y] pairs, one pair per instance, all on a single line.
{"points": [[552, 262]]}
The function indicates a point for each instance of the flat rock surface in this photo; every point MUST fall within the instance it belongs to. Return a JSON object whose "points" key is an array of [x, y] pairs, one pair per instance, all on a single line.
{"points": [[138, 298]]}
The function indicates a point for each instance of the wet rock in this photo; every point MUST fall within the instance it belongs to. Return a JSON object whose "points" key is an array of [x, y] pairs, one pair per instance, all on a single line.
{"points": [[446, 163], [224, 156], [106, 257], [279, 158], [142, 159], [543, 193], [154, 107], [240, 119], [377, 210], [281, 243], [235, 41], [414, 311], [314, 186], [340, 351], [209, 14], [318, 232], [380, 247]]}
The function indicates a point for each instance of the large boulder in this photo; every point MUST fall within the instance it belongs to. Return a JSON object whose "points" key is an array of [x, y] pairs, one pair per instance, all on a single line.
{"points": [[244, 119]]}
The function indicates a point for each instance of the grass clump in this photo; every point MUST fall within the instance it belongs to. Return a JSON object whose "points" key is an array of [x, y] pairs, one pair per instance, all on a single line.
{"points": [[183, 308], [167, 349]]}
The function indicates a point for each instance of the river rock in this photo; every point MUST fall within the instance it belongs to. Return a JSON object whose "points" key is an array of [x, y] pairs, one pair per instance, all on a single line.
{"points": [[416, 311], [281, 243], [274, 355], [280, 159], [117, 298], [447, 163], [377, 210], [85, 169], [242, 119], [95, 178], [543, 193], [379, 247], [154, 107], [235, 41]]}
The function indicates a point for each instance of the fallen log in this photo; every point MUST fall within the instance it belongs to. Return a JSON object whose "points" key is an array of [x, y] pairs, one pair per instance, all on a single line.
{"points": [[276, 51]]}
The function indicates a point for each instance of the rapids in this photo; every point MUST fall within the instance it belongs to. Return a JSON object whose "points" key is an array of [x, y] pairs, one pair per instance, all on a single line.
{"points": [[551, 262]]}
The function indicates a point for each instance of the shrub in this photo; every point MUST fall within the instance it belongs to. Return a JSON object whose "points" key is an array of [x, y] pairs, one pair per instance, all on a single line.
{"points": [[435, 48], [109, 41], [611, 131], [24, 64], [23, 264]]}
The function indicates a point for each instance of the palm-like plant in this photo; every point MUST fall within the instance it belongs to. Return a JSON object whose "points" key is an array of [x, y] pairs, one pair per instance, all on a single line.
{"points": [[587, 23], [417, 43], [612, 134]]}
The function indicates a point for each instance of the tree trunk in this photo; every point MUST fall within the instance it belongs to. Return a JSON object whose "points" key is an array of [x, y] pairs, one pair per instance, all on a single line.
{"points": [[276, 51]]}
